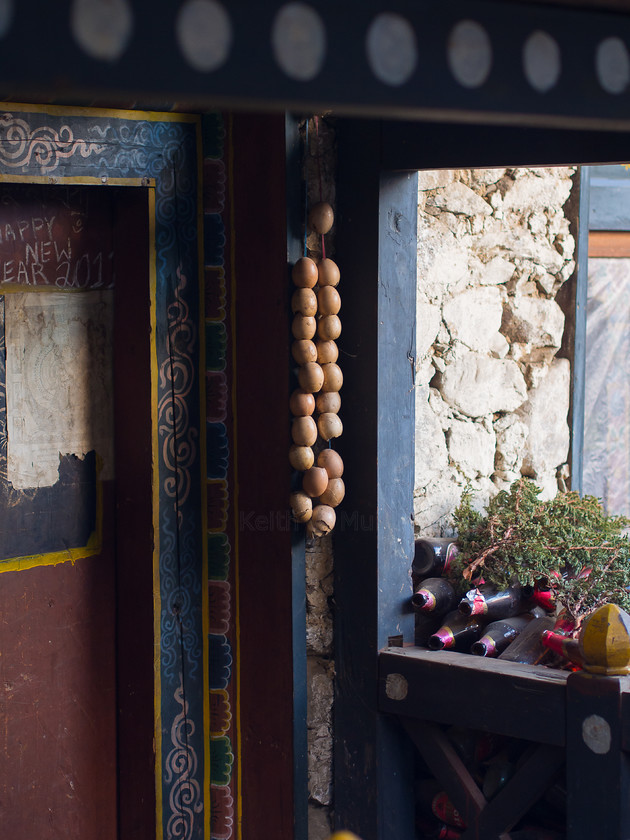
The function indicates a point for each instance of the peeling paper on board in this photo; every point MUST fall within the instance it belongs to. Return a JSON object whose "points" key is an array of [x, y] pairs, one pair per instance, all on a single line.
{"points": [[59, 382]]}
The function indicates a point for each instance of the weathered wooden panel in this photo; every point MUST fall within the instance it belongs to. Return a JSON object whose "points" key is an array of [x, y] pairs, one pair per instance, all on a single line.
{"points": [[610, 198], [264, 538], [437, 683], [376, 250], [329, 56], [81, 657], [58, 702], [134, 520], [141, 150], [609, 244], [598, 769]]}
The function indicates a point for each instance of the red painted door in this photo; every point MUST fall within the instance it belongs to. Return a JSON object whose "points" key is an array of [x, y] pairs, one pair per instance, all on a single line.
{"points": [[76, 696]]}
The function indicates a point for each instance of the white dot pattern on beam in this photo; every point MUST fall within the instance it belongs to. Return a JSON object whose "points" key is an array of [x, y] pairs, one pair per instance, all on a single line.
{"points": [[204, 34], [298, 39], [469, 53], [542, 61], [102, 28], [612, 65], [391, 48]]}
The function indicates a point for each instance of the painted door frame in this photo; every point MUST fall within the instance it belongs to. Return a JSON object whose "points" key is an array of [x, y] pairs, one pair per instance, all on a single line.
{"points": [[162, 152]]}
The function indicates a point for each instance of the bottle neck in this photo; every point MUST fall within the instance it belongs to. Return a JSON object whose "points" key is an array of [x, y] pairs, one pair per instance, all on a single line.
{"points": [[423, 600], [485, 646]]}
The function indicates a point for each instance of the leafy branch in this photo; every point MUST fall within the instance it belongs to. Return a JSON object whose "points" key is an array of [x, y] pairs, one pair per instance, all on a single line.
{"points": [[568, 544]]}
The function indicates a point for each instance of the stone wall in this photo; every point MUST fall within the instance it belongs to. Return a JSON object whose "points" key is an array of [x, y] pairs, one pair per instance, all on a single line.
{"points": [[492, 395]]}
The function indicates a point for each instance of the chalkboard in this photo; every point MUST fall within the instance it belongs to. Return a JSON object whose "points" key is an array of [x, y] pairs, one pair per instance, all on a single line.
{"points": [[56, 236], [56, 309]]}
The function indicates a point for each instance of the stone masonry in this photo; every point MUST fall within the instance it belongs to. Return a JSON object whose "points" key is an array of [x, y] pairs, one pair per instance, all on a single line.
{"points": [[492, 398]]}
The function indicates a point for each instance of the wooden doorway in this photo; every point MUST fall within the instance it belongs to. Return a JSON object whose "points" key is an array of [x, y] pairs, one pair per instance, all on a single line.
{"points": [[76, 588]]}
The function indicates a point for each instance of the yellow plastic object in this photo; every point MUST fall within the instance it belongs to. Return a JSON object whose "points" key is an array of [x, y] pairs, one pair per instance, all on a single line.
{"points": [[605, 641]]}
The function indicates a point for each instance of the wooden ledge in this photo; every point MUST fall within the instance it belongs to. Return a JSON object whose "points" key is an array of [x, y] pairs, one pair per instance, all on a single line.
{"points": [[609, 243], [520, 701]]}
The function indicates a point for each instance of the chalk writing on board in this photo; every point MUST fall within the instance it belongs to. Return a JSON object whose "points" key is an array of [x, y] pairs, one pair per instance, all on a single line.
{"points": [[58, 238]]}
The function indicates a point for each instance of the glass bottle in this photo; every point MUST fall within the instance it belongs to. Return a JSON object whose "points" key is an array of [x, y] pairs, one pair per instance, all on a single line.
{"points": [[434, 595], [498, 635], [492, 603], [433, 557], [528, 647], [458, 632]]}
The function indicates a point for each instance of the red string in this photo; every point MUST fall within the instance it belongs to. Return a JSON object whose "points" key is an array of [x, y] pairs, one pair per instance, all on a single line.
{"points": [[319, 159], [319, 172]]}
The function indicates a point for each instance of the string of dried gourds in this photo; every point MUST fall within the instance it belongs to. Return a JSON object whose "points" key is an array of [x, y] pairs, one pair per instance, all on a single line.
{"points": [[316, 326]]}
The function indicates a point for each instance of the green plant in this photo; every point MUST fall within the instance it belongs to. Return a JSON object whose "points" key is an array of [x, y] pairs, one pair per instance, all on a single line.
{"points": [[569, 544]]}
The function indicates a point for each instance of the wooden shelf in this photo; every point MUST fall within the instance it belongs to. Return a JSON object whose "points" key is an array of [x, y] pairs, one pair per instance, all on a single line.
{"points": [[521, 701], [574, 720]]}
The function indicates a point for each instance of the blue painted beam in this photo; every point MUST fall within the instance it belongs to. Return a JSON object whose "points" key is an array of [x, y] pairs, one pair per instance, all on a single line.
{"points": [[463, 60], [373, 541], [579, 352]]}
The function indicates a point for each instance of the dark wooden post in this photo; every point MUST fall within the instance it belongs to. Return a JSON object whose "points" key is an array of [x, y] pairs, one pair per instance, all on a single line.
{"points": [[598, 769], [376, 251]]}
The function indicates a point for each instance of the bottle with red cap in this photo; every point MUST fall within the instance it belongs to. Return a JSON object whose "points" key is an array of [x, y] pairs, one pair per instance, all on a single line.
{"points": [[434, 595], [433, 557], [433, 800], [493, 603], [564, 645], [499, 634], [458, 632]]}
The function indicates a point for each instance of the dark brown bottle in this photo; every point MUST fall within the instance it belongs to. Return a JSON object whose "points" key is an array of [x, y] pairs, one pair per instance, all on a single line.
{"points": [[498, 635], [434, 595], [493, 603], [433, 557], [425, 625], [528, 647], [458, 632]]}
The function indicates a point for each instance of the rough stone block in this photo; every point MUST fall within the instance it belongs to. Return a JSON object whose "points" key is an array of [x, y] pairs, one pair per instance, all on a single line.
{"points": [[496, 272], [442, 260], [460, 199], [511, 434], [545, 415], [478, 385], [532, 320], [319, 822], [431, 451], [434, 503], [427, 325], [471, 448], [433, 179], [473, 316], [487, 176], [538, 190]]}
